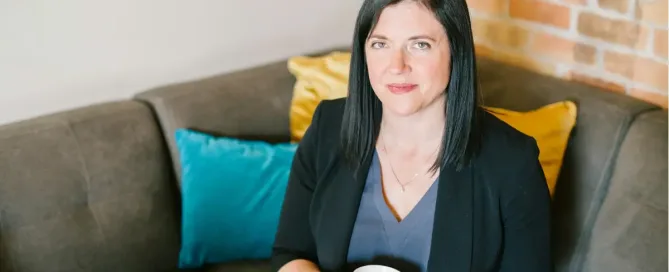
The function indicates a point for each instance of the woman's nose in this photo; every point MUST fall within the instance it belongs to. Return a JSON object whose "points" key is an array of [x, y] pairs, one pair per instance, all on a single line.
{"points": [[398, 63]]}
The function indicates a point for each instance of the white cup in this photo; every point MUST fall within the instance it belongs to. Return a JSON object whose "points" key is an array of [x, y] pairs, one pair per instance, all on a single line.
{"points": [[376, 268]]}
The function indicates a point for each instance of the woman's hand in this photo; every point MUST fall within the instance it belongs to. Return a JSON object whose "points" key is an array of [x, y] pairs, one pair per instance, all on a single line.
{"points": [[299, 266]]}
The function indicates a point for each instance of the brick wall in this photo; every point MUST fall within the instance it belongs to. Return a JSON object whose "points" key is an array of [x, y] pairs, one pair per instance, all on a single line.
{"points": [[620, 45]]}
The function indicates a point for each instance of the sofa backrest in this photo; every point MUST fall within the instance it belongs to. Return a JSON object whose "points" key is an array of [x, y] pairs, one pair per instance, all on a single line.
{"points": [[630, 233], [247, 104], [87, 190], [602, 123]]}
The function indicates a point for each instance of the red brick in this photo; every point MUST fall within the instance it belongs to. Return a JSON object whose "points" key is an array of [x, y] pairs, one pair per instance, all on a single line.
{"points": [[621, 6], [575, 2], [488, 6], [562, 49], [498, 32], [540, 12], [653, 12], [651, 73], [660, 45], [611, 30], [643, 38], [638, 69], [619, 63]]}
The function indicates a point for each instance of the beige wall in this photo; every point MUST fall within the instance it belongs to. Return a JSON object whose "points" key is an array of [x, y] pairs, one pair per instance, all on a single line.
{"points": [[618, 44], [56, 55]]}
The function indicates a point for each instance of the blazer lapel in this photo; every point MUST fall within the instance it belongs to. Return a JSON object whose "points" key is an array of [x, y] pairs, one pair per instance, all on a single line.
{"points": [[452, 235], [340, 203]]}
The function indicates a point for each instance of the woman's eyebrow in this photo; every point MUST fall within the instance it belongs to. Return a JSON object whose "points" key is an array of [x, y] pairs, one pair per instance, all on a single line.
{"points": [[417, 37], [422, 37], [377, 36]]}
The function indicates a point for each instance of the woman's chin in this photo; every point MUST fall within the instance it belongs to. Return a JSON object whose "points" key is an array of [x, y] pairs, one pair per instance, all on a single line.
{"points": [[402, 109]]}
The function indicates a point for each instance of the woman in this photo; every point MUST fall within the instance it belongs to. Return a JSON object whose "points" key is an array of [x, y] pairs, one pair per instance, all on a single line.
{"points": [[408, 171]]}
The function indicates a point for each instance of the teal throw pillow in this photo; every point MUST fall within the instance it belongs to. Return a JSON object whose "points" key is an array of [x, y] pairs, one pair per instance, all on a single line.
{"points": [[232, 192]]}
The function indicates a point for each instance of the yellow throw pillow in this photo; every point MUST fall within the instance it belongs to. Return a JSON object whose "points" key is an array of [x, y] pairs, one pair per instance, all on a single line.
{"points": [[550, 126], [326, 77], [317, 78]]}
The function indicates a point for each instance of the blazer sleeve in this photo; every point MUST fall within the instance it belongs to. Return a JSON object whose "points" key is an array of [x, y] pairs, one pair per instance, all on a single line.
{"points": [[294, 239], [526, 215]]}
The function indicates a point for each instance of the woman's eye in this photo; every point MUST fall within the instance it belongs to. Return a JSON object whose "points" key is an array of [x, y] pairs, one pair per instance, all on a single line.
{"points": [[422, 45], [377, 45]]}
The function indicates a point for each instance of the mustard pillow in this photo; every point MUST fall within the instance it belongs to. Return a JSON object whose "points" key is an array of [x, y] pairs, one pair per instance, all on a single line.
{"points": [[550, 126], [326, 77], [317, 78]]}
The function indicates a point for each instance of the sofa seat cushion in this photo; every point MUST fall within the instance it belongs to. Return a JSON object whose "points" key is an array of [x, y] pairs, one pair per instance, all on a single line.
{"points": [[241, 266]]}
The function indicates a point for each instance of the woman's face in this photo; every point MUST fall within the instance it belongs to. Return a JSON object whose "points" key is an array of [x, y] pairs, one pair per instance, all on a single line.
{"points": [[408, 58]]}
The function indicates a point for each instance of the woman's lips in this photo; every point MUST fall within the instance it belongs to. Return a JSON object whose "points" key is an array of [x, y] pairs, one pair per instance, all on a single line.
{"points": [[401, 88]]}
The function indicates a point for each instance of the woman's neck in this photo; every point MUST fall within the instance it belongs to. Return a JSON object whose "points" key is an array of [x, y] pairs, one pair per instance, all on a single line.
{"points": [[417, 133]]}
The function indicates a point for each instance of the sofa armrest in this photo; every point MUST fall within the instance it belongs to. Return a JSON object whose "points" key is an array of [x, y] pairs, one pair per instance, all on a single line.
{"points": [[630, 233]]}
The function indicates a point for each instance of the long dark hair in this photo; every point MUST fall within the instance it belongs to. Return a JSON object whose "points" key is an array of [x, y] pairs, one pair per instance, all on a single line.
{"points": [[362, 117]]}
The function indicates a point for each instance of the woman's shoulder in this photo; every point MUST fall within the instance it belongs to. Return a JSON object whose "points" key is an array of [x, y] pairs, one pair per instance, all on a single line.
{"points": [[509, 162], [505, 151], [331, 108], [328, 117], [498, 137], [323, 131]]}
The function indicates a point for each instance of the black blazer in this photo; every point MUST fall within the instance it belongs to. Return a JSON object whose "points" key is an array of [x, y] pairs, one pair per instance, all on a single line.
{"points": [[491, 216]]}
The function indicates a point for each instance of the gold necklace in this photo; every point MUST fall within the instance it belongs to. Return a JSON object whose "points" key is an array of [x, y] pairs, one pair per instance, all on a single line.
{"points": [[392, 169]]}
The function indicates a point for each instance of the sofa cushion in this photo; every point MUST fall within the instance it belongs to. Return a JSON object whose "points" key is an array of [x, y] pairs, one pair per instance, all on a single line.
{"points": [[602, 122], [232, 191], [87, 190], [630, 233], [317, 78]]}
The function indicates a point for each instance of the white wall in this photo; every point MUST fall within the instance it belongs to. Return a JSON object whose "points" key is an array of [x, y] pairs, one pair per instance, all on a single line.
{"points": [[58, 55]]}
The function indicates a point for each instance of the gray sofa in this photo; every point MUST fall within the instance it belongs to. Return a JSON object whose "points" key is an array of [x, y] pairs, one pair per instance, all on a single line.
{"points": [[96, 188]]}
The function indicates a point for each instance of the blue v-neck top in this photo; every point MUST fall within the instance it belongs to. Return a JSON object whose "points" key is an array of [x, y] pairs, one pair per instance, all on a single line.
{"points": [[378, 238]]}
